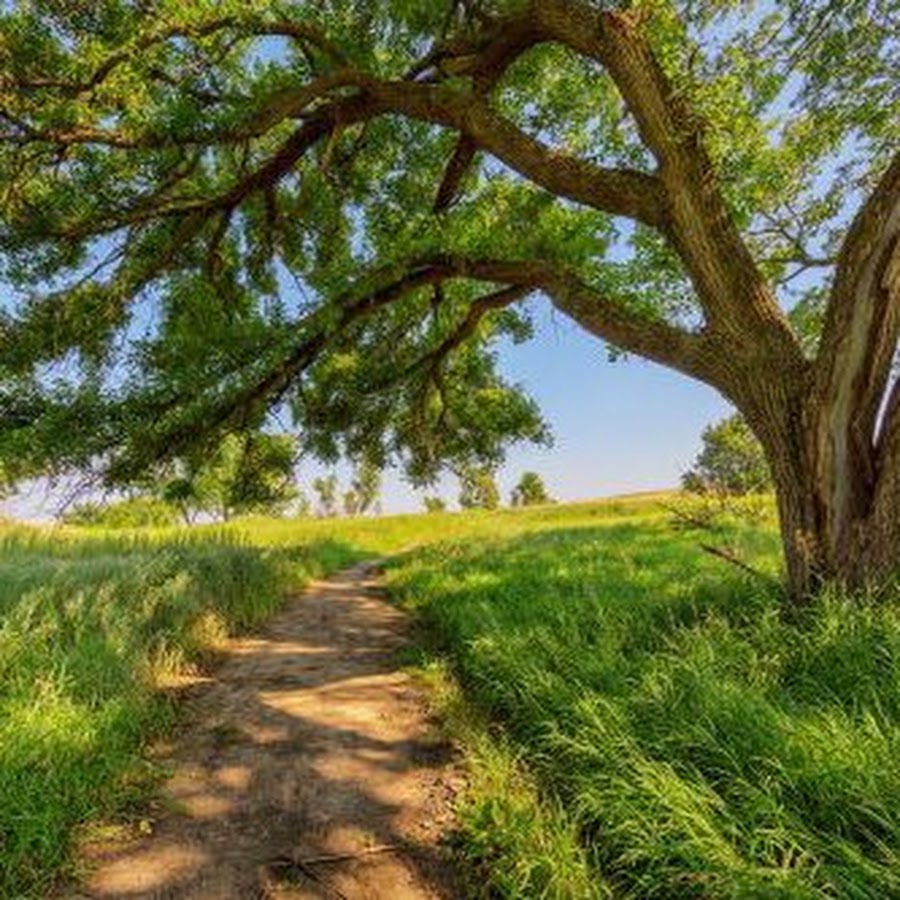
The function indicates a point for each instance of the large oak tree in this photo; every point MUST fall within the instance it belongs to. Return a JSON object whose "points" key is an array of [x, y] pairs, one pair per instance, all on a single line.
{"points": [[213, 209]]}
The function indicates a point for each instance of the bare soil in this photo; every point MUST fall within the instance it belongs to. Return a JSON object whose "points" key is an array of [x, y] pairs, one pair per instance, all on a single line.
{"points": [[305, 768]]}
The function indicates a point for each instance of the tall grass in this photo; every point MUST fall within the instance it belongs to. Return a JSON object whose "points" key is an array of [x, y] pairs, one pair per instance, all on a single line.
{"points": [[695, 740], [93, 622], [90, 625]]}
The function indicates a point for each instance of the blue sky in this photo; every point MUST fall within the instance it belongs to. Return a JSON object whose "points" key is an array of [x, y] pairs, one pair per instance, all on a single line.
{"points": [[621, 426]]}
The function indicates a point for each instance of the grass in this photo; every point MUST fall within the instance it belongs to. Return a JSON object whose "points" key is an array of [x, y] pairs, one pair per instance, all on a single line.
{"points": [[639, 719], [94, 622], [91, 625], [684, 737]]}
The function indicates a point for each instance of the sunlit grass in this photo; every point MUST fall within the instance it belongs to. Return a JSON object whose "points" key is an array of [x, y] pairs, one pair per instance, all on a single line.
{"points": [[94, 621], [90, 626], [695, 740]]}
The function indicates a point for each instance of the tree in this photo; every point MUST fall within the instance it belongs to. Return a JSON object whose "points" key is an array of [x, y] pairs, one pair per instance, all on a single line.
{"points": [[351, 503], [245, 473], [434, 504], [731, 461], [660, 176], [530, 491], [365, 486], [131, 512], [326, 490], [478, 489]]}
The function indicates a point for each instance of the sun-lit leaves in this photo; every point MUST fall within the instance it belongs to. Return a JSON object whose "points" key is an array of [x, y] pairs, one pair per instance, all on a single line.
{"points": [[194, 205]]}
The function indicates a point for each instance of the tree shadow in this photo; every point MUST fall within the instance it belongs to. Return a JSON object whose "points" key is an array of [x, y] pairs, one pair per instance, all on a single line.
{"points": [[304, 768]]}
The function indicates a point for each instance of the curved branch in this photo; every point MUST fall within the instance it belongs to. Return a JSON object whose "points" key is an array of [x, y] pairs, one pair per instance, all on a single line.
{"points": [[302, 32], [614, 322], [622, 192]]}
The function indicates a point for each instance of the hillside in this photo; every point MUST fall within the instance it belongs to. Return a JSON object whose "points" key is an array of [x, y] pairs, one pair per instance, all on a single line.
{"points": [[638, 716]]}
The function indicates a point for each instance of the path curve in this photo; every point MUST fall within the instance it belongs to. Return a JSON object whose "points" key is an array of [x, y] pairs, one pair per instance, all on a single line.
{"points": [[306, 769]]}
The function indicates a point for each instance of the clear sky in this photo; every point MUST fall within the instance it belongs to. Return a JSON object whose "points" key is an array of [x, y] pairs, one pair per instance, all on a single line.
{"points": [[621, 426]]}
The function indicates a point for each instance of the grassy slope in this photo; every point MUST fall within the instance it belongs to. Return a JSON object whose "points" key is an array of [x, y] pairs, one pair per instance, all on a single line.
{"points": [[92, 621], [90, 624], [686, 739], [681, 738]]}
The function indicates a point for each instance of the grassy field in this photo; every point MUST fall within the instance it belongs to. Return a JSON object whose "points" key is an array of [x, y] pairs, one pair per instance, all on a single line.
{"points": [[681, 736], [639, 718], [94, 623]]}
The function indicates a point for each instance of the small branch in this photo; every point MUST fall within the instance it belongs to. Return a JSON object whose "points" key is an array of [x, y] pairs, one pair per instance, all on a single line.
{"points": [[729, 557], [691, 521], [348, 857]]}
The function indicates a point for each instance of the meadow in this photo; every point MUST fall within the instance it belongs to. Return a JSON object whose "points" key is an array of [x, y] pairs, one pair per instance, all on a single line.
{"points": [[652, 723], [96, 626], [639, 718]]}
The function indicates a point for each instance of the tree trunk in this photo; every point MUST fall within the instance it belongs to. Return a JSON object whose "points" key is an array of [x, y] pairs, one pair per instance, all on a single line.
{"points": [[839, 515]]}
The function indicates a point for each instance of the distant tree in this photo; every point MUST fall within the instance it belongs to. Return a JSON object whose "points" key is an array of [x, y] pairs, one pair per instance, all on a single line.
{"points": [[265, 477], [326, 490], [302, 506], [732, 461], [478, 488], [181, 493], [434, 504], [365, 486], [530, 491], [247, 473], [132, 512], [351, 503]]}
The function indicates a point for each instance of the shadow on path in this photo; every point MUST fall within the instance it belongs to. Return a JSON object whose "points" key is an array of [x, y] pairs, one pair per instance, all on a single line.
{"points": [[306, 768]]}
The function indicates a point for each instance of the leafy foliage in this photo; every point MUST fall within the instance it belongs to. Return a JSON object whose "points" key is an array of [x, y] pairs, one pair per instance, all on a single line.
{"points": [[530, 491], [478, 488], [132, 512], [246, 473], [730, 462], [207, 213]]}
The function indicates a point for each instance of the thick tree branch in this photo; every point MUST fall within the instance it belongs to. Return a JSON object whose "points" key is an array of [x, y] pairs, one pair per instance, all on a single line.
{"points": [[614, 322], [735, 296], [478, 309], [862, 319], [859, 340], [623, 192]]}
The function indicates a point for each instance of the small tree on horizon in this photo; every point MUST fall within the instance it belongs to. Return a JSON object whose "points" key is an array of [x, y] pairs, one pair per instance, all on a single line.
{"points": [[478, 488], [434, 504], [530, 491], [326, 487], [731, 462], [366, 485]]}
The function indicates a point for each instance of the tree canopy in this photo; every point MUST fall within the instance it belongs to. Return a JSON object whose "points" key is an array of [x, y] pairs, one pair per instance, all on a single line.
{"points": [[246, 473], [335, 209], [530, 491], [478, 488]]}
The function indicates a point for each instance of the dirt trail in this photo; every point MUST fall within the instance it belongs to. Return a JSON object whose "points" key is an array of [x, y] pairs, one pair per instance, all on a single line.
{"points": [[309, 744]]}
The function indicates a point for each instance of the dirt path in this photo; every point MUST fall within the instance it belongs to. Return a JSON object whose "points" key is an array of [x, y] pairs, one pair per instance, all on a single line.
{"points": [[309, 744]]}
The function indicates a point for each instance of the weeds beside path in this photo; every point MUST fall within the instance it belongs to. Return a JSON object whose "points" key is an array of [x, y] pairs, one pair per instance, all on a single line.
{"points": [[305, 769]]}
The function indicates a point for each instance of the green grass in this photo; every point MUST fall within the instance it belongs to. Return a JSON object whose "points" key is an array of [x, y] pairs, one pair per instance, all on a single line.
{"points": [[685, 737], [94, 622], [90, 626], [639, 719]]}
